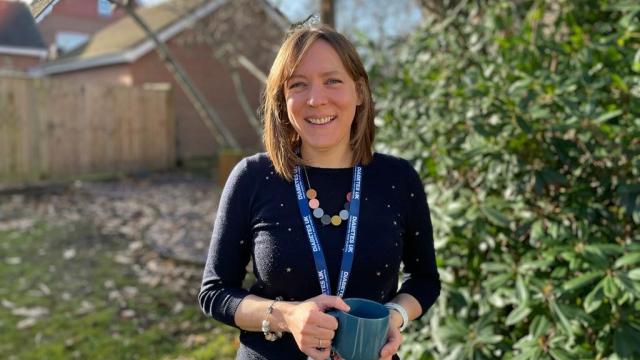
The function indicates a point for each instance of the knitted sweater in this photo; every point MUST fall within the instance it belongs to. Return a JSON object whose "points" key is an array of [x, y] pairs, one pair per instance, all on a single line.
{"points": [[258, 219]]}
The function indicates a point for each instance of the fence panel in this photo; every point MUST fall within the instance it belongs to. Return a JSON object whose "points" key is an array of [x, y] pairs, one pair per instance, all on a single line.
{"points": [[56, 130]]}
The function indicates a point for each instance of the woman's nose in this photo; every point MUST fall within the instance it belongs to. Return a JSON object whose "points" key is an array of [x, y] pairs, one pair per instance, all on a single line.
{"points": [[317, 97]]}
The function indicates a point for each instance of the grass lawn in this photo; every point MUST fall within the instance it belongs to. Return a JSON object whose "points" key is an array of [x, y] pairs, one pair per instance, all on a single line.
{"points": [[65, 295]]}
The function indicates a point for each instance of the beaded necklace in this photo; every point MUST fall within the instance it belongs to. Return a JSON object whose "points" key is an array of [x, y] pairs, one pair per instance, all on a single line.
{"points": [[319, 213]]}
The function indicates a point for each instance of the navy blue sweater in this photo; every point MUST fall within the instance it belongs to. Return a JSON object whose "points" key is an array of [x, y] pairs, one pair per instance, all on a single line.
{"points": [[258, 218]]}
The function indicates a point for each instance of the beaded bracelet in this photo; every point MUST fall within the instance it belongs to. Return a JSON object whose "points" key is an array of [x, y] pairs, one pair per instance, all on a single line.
{"points": [[266, 325]]}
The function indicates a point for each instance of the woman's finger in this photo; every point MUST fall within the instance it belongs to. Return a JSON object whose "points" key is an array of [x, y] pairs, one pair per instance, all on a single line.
{"points": [[326, 322], [322, 332], [315, 342], [394, 339], [331, 302], [318, 354], [320, 325]]}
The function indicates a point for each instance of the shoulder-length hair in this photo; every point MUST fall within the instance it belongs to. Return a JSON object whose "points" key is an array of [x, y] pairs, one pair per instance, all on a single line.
{"points": [[280, 138]]}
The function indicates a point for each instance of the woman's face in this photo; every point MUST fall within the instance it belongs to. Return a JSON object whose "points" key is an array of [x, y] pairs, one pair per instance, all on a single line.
{"points": [[321, 99]]}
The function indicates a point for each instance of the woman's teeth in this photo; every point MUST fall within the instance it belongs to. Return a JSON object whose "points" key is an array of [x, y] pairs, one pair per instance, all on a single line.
{"points": [[320, 121]]}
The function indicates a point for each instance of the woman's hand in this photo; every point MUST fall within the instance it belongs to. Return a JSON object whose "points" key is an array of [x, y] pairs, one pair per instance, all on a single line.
{"points": [[394, 339], [312, 329]]}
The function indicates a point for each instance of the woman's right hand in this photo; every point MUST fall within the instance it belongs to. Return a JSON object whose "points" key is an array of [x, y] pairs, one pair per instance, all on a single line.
{"points": [[312, 329]]}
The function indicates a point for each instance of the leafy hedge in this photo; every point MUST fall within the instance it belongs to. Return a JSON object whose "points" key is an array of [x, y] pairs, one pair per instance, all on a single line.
{"points": [[523, 118]]}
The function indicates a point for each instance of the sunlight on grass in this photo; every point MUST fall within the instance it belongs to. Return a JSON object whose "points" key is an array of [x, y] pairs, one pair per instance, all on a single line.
{"points": [[64, 296]]}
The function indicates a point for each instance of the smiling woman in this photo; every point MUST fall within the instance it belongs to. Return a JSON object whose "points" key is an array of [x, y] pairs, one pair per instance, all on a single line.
{"points": [[315, 74], [321, 102], [276, 209]]}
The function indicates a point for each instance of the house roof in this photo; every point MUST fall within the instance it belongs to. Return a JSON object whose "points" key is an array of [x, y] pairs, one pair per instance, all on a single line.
{"points": [[125, 33], [17, 28], [39, 6], [124, 41]]}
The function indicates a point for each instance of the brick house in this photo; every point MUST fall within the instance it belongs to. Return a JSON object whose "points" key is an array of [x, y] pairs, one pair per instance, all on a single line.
{"points": [[67, 24], [21, 46], [209, 39]]}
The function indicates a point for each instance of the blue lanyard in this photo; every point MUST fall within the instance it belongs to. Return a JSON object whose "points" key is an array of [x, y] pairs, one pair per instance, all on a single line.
{"points": [[350, 237]]}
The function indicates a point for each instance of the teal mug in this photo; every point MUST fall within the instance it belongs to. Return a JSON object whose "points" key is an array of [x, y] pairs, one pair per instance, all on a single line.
{"points": [[362, 332]]}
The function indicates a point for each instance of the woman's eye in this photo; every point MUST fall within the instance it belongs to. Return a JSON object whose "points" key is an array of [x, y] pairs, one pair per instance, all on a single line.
{"points": [[333, 81], [295, 85]]}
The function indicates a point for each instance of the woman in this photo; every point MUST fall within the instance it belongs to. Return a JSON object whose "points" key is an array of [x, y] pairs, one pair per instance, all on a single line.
{"points": [[318, 116]]}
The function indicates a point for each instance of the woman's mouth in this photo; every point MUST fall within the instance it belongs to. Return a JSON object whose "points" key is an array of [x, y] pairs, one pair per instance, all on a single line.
{"points": [[320, 120]]}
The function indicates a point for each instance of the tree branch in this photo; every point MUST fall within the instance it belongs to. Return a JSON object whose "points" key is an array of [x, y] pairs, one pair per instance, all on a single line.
{"points": [[210, 117]]}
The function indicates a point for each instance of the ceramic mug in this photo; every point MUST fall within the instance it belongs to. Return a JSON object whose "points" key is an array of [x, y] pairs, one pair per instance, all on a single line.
{"points": [[362, 332]]}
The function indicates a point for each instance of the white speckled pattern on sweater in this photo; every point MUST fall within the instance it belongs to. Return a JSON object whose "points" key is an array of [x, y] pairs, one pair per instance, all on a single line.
{"points": [[258, 218]]}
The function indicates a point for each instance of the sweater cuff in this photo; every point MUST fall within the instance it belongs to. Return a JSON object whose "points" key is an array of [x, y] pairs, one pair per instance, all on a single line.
{"points": [[233, 301], [222, 304], [425, 291]]}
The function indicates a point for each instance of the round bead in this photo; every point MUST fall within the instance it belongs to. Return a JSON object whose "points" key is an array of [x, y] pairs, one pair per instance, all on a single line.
{"points": [[319, 213], [314, 203], [311, 194]]}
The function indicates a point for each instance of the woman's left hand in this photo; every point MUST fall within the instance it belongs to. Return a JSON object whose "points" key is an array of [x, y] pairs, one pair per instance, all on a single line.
{"points": [[394, 339]]}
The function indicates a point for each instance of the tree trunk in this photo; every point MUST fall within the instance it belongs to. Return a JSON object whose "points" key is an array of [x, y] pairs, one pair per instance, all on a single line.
{"points": [[327, 12]]}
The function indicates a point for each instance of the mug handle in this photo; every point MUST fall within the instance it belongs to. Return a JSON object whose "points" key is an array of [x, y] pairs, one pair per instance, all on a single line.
{"points": [[334, 313]]}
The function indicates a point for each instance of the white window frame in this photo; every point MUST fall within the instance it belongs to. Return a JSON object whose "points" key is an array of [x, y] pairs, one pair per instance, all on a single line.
{"points": [[76, 39]]}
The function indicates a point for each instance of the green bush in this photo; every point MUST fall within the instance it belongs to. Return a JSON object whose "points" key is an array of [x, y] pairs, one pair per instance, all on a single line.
{"points": [[523, 118]]}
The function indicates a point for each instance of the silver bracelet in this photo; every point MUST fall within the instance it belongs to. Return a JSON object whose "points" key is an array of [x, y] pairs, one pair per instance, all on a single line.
{"points": [[266, 325], [403, 313]]}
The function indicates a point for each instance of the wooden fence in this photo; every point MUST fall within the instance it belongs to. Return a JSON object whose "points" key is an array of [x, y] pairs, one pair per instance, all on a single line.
{"points": [[52, 129]]}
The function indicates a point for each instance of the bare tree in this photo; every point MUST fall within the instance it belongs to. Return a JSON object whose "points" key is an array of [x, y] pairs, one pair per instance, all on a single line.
{"points": [[437, 8], [327, 12], [210, 117], [227, 33], [379, 21], [230, 33]]}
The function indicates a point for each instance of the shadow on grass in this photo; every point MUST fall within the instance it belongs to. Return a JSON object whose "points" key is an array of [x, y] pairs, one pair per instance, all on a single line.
{"points": [[64, 294]]}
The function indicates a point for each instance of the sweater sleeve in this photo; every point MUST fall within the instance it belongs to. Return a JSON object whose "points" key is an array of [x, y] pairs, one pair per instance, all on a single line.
{"points": [[421, 279], [229, 252]]}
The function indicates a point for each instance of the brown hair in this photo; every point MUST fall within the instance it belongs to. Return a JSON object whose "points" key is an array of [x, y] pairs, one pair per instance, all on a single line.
{"points": [[280, 138]]}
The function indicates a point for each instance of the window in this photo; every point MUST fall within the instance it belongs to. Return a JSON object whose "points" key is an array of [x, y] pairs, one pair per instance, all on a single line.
{"points": [[105, 8], [67, 40]]}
